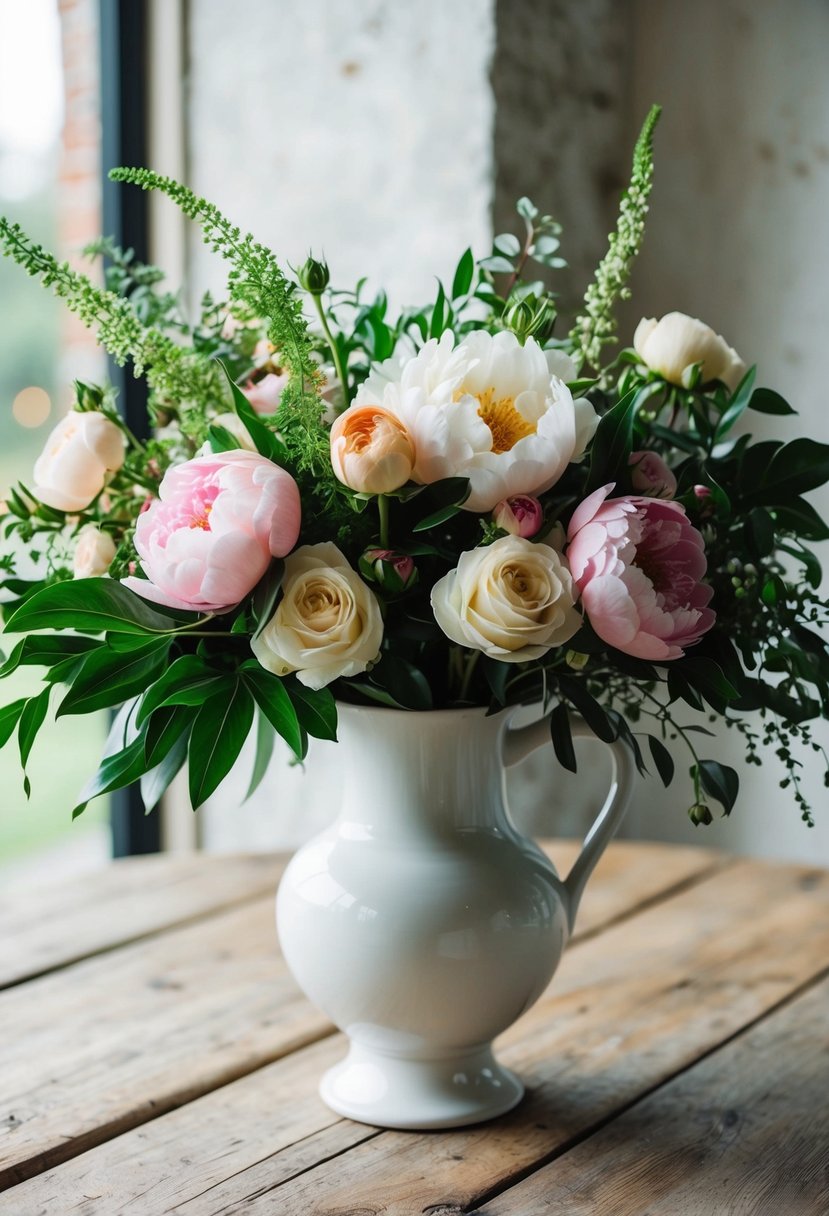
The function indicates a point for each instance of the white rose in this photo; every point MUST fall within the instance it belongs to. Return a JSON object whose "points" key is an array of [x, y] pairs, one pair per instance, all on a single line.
{"points": [[678, 341], [93, 553], [72, 469], [327, 624], [512, 599]]}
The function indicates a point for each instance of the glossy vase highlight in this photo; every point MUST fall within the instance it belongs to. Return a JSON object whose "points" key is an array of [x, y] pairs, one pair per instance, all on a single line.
{"points": [[422, 922]]}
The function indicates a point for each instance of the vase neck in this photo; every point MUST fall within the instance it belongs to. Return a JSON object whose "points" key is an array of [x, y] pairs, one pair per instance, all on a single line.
{"points": [[420, 772]]}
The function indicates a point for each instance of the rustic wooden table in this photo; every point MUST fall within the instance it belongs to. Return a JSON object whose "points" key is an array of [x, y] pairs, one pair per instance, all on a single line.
{"points": [[155, 1056]]}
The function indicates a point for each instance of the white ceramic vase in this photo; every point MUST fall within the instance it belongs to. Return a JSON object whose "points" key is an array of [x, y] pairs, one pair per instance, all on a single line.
{"points": [[422, 922]]}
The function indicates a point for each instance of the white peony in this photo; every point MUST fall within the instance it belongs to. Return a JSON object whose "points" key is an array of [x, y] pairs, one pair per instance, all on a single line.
{"points": [[72, 468], [327, 624], [513, 600], [488, 409], [678, 341]]}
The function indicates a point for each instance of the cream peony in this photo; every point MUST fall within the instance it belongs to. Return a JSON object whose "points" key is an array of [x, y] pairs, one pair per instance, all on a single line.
{"points": [[512, 599], [71, 470], [93, 553], [488, 409], [327, 624], [678, 341]]}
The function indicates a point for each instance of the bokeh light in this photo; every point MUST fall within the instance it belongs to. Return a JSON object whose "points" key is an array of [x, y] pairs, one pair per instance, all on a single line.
{"points": [[32, 406]]}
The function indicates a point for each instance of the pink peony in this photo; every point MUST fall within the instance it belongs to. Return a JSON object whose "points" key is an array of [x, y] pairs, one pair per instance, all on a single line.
{"points": [[208, 538], [638, 563], [266, 394], [651, 476]]}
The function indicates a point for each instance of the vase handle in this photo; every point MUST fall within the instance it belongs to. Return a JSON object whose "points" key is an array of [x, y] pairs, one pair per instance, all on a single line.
{"points": [[519, 743]]}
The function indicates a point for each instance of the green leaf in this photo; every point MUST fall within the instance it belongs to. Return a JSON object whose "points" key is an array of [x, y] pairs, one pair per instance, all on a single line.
{"points": [[612, 443], [794, 469], [185, 670], [497, 265], [439, 319], [268, 444], [265, 739], [562, 737], [9, 718], [662, 758], [115, 772], [155, 782], [719, 782], [738, 403], [198, 691], [94, 604], [450, 494], [272, 697], [31, 720], [403, 681], [265, 593], [221, 439], [508, 244], [163, 729], [463, 275], [589, 708], [109, 677], [219, 732], [767, 401], [759, 529], [316, 709], [800, 518]]}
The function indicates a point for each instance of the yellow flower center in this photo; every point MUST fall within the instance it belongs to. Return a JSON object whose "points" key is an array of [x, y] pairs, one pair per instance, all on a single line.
{"points": [[506, 425], [202, 520]]}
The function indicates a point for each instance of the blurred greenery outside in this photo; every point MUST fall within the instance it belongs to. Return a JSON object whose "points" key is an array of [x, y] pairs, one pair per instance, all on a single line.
{"points": [[66, 753]]}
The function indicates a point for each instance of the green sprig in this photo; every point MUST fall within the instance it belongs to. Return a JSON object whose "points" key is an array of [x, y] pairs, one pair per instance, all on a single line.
{"points": [[596, 325]]}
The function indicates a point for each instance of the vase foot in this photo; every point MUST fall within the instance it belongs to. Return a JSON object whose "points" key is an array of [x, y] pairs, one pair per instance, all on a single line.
{"points": [[419, 1095]]}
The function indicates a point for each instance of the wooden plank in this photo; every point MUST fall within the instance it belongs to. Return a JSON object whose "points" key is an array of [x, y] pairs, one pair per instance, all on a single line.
{"points": [[128, 900], [746, 1130], [629, 1009]]}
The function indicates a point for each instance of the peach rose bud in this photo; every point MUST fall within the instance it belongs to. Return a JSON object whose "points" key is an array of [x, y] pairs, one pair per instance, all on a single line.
{"points": [[651, 476], [371, 451], [520, 515]]}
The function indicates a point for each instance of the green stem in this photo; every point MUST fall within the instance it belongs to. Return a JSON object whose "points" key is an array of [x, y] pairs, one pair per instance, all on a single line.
{"points": [[383, 509], [468, 672], [335, 354]]}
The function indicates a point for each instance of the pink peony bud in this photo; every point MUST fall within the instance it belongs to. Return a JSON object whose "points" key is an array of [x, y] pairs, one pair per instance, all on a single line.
{"points": [[651, 476], [266, 394], [639, 565], [521, 515], [389, 569], [208, 538], [702, 492]]}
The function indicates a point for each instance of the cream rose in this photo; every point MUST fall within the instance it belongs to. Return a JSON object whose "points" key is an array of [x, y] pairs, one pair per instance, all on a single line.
{"points": [[93, 553], [72, 468], [512, 599], [678, 341], [327, 624]]}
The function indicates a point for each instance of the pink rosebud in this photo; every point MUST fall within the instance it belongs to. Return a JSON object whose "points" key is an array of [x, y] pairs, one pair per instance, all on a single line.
{"points": [[651, 476], [702, 492], [266, 394], [520, 515], [638, 563], [208, 538], [391, 570]]}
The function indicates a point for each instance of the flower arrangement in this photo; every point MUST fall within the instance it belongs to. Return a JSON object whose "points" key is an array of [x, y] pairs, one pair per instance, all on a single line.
{"points": [[454, 506]]}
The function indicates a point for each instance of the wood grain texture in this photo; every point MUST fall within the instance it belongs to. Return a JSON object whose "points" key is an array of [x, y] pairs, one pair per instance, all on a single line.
{"points": [[745, 1132], [630, 1008], [128, 900]]}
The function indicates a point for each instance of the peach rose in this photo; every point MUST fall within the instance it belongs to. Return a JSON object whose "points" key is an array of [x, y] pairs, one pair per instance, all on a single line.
{"points": [[71, 470], [371, 451]]}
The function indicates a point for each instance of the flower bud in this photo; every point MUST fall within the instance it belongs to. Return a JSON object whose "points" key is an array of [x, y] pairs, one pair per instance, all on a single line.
{"points": [[93, 553], [702, 492], [314, 276], [394, 572], [576, 661], [650, 475], [520, 515], [371, 450], [528, 316], [699, 813]]}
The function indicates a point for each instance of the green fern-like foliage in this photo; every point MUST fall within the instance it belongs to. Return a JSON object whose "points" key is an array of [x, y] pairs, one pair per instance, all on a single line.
{"points": [[173, 373], [256, 280], [596, 325]]}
